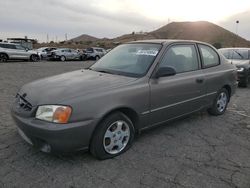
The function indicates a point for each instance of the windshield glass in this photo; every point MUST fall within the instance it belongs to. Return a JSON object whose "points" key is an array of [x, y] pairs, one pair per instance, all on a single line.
{"points": [[237, 54], [128, 59]]}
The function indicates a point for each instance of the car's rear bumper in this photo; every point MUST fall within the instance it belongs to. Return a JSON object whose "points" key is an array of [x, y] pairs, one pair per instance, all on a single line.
{"points": [[51, 137]]}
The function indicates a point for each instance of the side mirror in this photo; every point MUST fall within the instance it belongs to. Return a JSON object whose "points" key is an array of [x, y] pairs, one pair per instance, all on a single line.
{"points": [[165, 71]]}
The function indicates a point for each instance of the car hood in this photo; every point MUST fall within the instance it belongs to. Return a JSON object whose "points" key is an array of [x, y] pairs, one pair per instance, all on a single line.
{"points": [[239, 62], [57, 89]]}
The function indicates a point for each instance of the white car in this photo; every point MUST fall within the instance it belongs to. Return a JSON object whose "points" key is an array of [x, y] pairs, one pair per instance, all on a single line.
{"points": [[45, 51], [94, 53], [64, 54], [10, 51]]}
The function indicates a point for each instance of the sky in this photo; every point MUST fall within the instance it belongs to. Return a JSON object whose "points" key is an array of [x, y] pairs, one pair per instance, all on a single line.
{"points": [[112, 18]]}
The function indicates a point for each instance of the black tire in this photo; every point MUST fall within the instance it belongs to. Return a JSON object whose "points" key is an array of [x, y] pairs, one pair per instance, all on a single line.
{"points": [[216, 108], [3, 58], [63, 58], [97, 58], [84, 57], [34, 58], [243, 83], [97, 145]]}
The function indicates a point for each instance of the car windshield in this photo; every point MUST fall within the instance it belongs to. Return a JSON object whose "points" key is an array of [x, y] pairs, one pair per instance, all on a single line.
{"points": [[237, 54], [90, 50], [131, 60]]}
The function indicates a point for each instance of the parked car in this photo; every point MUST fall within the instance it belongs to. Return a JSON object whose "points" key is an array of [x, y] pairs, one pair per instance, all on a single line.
{"points": [[94, 53], [11, 51], [241, 58], [44, 52], [65, 54], [134, 87]]}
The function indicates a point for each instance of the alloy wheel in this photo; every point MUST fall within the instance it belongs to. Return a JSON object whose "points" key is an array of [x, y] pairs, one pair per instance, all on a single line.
{"points": [[222, 102], [116, 137]]}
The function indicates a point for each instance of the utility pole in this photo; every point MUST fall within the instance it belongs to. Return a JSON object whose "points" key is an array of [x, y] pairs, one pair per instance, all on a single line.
{"points": [[47, 38], [66, 36], [236, 30], [237, 23]]}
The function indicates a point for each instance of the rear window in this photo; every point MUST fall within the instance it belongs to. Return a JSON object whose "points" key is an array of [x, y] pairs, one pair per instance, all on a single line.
{"points": [[209, 56], [9, 46]]}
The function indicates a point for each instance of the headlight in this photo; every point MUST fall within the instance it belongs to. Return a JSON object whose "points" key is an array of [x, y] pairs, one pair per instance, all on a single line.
{"points": [[240, 69], [54, 113]]}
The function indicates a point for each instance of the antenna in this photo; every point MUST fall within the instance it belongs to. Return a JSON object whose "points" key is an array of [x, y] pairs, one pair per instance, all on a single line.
{"points": [[237, 23], [66, 36]]}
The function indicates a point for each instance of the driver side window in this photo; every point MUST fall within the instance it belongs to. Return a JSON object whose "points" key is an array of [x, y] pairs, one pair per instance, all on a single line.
{"points": [[183, 58]]}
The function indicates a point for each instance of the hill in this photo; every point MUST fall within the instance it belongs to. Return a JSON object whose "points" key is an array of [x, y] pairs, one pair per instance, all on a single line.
{"points": [[202, 31], [84, 38]]}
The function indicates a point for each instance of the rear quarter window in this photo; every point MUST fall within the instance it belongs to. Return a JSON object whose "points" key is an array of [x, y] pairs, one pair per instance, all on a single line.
{"points": [[209, 56]]}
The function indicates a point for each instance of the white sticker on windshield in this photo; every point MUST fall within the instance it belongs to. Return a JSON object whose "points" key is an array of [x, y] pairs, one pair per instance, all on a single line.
{"points": [[147, 52]]}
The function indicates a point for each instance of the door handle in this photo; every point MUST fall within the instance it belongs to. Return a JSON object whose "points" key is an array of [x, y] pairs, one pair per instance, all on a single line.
{"points": [[200, 80]]}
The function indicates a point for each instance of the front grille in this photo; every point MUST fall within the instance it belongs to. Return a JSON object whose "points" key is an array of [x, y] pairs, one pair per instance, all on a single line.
{"points": [[23, 103]]}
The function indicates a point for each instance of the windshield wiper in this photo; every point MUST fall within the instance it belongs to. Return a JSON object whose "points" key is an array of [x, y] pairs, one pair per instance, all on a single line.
{"points": [[104, 71], [242, 57]]}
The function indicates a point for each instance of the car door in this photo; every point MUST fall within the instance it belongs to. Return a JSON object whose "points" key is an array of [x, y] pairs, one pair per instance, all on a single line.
{"points": [[68, 54], [11, 50], [213, 72], [21, 52], [181, 94], [75, 54]]}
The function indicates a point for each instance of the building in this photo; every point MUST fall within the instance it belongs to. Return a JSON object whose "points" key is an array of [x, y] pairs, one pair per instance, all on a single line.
{"points": [[25, 42]]}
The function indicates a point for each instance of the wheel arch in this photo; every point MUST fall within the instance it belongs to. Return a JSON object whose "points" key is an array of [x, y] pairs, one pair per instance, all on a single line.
{"points": [[229, 90], [34, 55], [5, 54], [129, 112]]}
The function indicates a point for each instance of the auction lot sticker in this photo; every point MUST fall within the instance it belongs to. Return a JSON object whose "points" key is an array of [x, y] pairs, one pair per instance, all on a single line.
{"points": [[147, 52]]}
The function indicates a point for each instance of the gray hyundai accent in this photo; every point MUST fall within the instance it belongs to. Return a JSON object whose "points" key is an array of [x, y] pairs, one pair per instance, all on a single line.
{"points": [[134, 87]]}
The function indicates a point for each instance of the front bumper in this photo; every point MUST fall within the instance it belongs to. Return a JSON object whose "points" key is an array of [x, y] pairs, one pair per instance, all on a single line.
{"points": [[242, 76], [51, 137]]}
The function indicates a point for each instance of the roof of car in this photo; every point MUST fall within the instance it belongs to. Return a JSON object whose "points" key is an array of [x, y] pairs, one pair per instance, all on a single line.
{"points": [[9, 43], [97, 48], [165, 41], [235, 48]]}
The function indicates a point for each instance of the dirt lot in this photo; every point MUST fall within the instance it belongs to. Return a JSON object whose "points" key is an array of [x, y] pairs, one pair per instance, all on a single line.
{"points": [[200, 151]]}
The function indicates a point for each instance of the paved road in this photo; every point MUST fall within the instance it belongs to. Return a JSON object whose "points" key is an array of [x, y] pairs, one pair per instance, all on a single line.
{"points": [[200, 151]]}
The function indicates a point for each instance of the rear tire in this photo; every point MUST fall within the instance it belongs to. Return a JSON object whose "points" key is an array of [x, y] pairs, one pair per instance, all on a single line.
{"points": [[63, 58], [3, 58], [34, 58], [220, 103], [97, 58], [112, 137]]}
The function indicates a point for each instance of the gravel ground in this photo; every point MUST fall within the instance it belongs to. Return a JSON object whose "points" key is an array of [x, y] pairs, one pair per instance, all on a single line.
{"points": [[199, 151]]}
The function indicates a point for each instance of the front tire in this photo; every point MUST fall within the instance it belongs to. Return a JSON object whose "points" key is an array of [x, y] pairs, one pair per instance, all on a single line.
{"points": [[244, 83], [220, 103], [97, 58], [34, 58], [3, 58], [113, 136], [63, 58]]}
